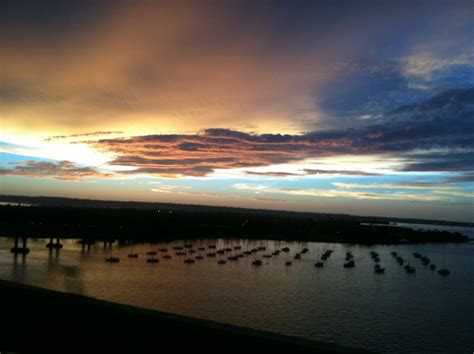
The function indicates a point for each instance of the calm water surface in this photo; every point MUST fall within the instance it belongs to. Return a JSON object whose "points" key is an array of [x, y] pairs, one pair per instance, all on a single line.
{"points": [[394, 312]]}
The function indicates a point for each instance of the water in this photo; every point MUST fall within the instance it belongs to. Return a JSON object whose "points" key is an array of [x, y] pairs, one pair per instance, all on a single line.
{"points": [[395, 312]]}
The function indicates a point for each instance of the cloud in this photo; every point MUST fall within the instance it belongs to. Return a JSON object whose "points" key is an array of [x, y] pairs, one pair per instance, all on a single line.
{"points": [[463, 178], [64, 170], [309, 171], [338, 193], [83, 135], [432, 135], [433, 188], [272, 174]]}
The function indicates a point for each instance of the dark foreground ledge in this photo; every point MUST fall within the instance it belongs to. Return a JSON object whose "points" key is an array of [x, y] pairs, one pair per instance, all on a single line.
{"points": [[36, 319]]}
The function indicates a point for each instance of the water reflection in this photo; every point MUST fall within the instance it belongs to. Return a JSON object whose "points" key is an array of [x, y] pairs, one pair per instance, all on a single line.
{"points": [[350, 306]]}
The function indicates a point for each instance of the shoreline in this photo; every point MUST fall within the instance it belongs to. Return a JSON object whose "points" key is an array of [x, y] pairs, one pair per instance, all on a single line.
{"points": [[40, 319]]}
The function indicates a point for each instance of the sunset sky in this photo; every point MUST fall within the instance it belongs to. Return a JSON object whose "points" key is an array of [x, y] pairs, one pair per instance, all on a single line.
{"points": [[360, 107]]}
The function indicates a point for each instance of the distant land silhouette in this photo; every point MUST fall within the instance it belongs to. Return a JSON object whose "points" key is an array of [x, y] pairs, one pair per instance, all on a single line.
{"points": [[141, 221]]}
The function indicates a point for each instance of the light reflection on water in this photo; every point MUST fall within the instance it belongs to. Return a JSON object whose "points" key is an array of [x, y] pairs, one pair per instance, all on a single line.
{"points": [[356, 307]]}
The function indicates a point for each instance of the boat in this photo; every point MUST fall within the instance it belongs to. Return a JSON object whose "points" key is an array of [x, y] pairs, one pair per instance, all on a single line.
{"points": [[237, 247], [285, 249], [152, 253], [443, 272], [167, 256], [163, 250], [199, 257], [257, 262], [410, 269], [112, 259], [180, 253], [133, 255], [53, 245], [211, 246], [350, 264], [233, 258], [188, 245], [211, 254], [319, 264], [221, 261], [379, 270], [153, 260], [189, 261], [267, 256], [432, 267], [288, 263], [297, 256], [201, 248]]}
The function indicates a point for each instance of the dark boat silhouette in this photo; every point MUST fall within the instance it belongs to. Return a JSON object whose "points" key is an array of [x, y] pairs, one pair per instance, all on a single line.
{"points": [[199, 257], [409, 269], [350, 264], [53, 245], [163, 250], [257, 262], [153, 260], [151, 253], [189, 261], [432, 266], [288, 263], [221, 261], [167, 256], [133, 255], [112, 259], [319, 264], [297, 256], [378, 269]]}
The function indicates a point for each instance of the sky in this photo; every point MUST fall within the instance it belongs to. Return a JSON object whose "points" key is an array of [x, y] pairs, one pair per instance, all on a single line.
{"points": [[355, 107]]}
